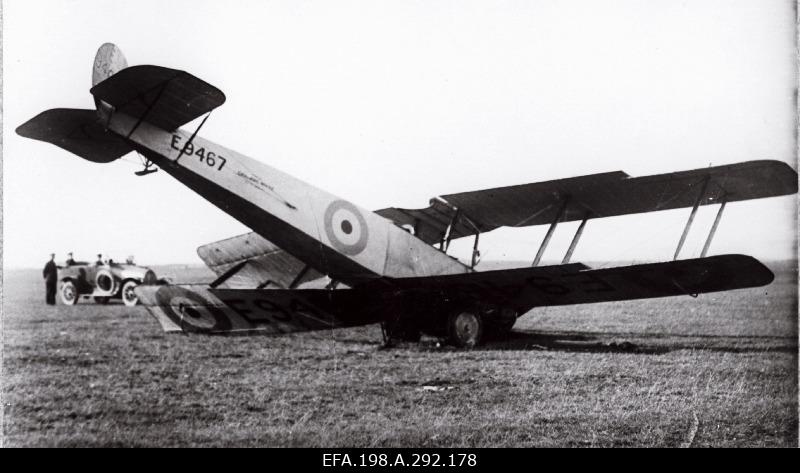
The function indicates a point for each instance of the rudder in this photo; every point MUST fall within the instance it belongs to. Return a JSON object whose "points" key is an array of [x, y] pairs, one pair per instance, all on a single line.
{"points": [[108, 61]]}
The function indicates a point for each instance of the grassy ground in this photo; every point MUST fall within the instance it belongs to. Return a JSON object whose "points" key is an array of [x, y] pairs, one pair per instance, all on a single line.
{"points": [[646, 373]]}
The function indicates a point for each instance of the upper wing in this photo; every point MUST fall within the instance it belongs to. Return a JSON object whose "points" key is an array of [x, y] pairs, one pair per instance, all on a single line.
{"points": [[526, 288], [251, 261], [593, 196], [167, 98]]}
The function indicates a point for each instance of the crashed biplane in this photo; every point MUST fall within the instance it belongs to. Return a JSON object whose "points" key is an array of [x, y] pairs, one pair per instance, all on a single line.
{"points": [[316, 261]]}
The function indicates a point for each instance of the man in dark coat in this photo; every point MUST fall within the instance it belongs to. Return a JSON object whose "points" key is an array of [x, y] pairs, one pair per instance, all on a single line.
{"points": [[50, 275]]}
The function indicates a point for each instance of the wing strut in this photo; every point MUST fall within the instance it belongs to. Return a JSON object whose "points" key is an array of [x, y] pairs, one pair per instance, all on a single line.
{"points": [[714, 226], [691, 218], [296, 281], [227, 274], [448, 236], [575, 239], [476, 254], [549, 234]]}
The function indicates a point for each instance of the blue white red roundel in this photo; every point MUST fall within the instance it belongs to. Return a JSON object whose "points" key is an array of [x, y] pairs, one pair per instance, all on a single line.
{"points": [[346, 228]]}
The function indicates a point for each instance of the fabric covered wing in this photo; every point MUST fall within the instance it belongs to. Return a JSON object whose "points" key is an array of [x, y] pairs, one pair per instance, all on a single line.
{"points": [[594, 196], [526, 288], [251, 261], [76, 131], [199, 309], [167, 98]]}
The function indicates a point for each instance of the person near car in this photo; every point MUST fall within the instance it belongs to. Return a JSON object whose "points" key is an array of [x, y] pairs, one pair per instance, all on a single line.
{"points": [[70, 260], [50, 274], [99, 261]]}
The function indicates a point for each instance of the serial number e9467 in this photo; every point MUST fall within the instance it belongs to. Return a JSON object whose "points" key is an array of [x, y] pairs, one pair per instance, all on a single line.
{"points": [[208, 157], [399, 460]]}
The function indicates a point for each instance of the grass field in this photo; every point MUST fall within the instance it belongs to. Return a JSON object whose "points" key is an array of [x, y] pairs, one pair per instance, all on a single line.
{"points": [[719, 370]]}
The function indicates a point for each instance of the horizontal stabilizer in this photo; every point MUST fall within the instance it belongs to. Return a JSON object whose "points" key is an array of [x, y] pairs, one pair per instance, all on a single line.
{"points": [[77, 131], [166, 98]]}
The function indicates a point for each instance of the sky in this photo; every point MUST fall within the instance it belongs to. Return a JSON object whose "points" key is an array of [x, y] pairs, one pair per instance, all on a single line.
{"points": [[389, 103]]}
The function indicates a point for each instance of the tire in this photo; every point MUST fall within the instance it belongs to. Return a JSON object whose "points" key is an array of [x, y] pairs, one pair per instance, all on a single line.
{"points": [[502, 323], [105, 281], [465, 329], [129, 297], [69, 292], [102, 300], [393, 332]]}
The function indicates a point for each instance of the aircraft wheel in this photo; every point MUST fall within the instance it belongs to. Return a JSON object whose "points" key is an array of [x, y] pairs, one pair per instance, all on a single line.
{"points": [[69, 292], [503, 322], [393, 332], [465, 329], [102, 300], [129, 296]]}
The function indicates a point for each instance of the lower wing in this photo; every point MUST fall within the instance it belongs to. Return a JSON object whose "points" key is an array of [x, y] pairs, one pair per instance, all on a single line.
{"points": [[201, 309], [526, 288], [278, 311]]}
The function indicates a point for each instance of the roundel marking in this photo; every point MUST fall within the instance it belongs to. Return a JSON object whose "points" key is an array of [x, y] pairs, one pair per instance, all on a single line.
{"points": [[190, 311], [346, 228]]}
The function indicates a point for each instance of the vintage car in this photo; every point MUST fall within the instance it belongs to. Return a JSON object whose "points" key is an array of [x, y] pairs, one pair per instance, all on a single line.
{"points": [[104, 282]]}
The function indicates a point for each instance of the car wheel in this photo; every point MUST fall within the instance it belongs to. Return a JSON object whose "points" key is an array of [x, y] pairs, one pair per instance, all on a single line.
{"points": [[69, 292], [129, 296], [105, 281], [465, 329], [102, 300]]}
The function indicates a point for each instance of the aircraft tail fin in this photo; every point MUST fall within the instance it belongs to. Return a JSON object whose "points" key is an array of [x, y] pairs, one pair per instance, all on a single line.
{"points": [[108, 61]]}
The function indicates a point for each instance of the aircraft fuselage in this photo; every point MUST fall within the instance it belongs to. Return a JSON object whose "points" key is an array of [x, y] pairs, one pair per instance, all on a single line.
{"points": [[332, 235]]}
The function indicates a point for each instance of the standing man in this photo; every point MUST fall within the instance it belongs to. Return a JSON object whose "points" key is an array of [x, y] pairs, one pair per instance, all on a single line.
{"points": [[70, 260], [99, 261], [50, 275]]}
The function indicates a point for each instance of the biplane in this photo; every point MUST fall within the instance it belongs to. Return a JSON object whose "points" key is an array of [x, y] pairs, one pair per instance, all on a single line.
{"points": [[316, 261]]}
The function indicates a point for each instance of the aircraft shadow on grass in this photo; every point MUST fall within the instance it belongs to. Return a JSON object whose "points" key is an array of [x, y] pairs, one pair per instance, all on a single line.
{"points": [[639, 343]]}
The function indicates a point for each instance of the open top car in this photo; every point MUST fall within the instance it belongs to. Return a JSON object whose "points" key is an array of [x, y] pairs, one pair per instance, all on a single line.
{"points": [[104, 282]]}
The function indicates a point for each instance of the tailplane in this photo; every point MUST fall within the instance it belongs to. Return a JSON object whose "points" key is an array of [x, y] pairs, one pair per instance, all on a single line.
{"points": [[77, 131], [82, 132]]}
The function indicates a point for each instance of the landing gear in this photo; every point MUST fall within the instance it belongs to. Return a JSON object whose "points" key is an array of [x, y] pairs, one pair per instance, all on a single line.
{"points": [[465, 329], [394, 332], [499, 322]]}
